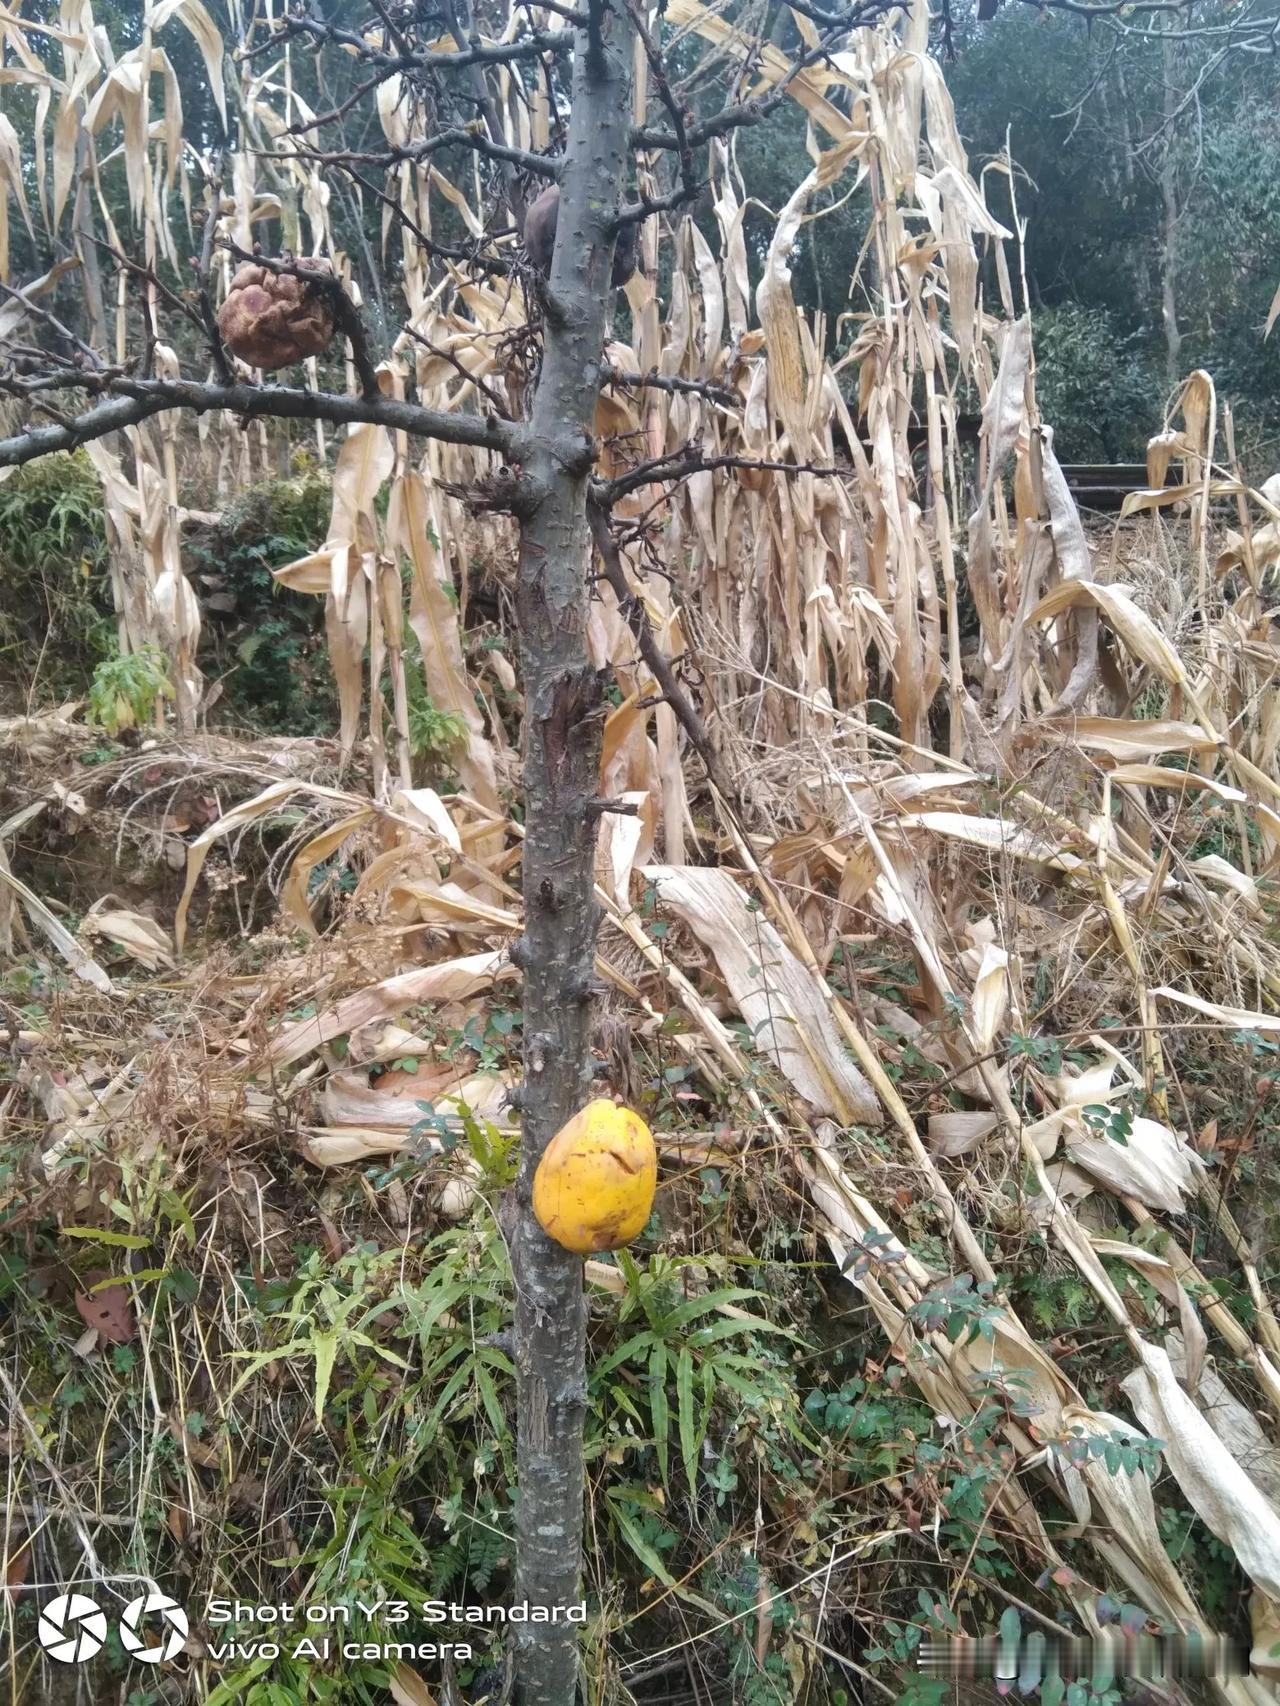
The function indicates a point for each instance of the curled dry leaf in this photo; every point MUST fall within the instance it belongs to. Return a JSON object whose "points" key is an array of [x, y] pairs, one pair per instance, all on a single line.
{"points": [[1155, 1164], [12, 313], [408, 1688], [139, 936], [293, 894], [1221, 872], [990, 995], [239, 817], [459, 1194], [1132, 624], [17, 1568], [337, 1146], [955, 1134], [396, 1099]]}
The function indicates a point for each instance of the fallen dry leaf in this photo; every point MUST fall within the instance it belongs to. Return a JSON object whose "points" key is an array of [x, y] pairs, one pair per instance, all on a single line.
{"points": [[108, 1311]]}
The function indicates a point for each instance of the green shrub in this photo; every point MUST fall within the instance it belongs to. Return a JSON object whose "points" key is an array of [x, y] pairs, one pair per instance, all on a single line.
{"points": [[1097, 389], [265, 641], [437, 739], [54, 596], [126, 689]]}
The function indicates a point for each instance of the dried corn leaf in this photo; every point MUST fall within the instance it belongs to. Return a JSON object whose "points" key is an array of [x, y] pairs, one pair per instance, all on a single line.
{"points": [[994, 834], [1230, 1505], [990, 996], [1239, 1018], [1161, 776], [408, 1688], [1221, 872], [427, 812], [293, 893], [350, 1099], [433, 616], [956, 1133], [339, 1146], [239, 817], [139, 936], [11, 183], [789, 1017], [193, 15], [1237, 1427], [1153, 1165], [81, 963], [1124, 738], [1132, 624], [451, 980], [13, 310]]}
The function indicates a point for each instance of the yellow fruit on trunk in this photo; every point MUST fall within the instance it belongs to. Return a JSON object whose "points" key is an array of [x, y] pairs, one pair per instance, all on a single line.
{"points": [[595, 1182]]}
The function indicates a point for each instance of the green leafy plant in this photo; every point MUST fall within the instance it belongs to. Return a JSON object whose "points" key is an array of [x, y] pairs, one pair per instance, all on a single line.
{"points": [[437, 738], [691, 1355], [127, 688], [52, 507], [1043, 1052], [1114, 1123], [1123, 1453], [957, 1304], [54, 601], [265, 640]]}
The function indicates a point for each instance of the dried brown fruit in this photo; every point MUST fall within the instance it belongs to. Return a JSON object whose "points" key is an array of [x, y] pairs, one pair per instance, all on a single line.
{"points": [[540, 238], [272, 319]]}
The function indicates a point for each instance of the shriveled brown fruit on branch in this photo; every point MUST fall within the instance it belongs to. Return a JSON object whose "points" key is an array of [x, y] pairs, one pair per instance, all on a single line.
{"points": [[540, 238], [275, 319]]}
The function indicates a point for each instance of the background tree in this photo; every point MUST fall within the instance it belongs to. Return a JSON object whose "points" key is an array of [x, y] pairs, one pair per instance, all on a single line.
{"points": [[1147, 149]]}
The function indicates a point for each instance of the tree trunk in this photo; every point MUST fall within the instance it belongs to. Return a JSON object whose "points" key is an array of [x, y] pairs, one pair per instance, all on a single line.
{"points": [[562, 736], [1138, 248], [1169, 232]]}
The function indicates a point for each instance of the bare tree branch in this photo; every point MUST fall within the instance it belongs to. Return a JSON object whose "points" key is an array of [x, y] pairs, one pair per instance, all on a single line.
{"points": [[659, 664], [213, 197], [450, 59], [38, 312], [135, 400], [673, 384], [691, 459]]}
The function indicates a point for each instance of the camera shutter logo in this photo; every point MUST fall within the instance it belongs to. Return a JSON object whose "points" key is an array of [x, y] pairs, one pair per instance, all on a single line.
{"points": [[174, 1626], [71, 1628]]}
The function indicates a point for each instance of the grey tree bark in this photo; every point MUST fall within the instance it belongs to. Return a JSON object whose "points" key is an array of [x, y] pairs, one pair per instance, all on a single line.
{"points": [[1119, 116], [1172, 217], [562, 737]]}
